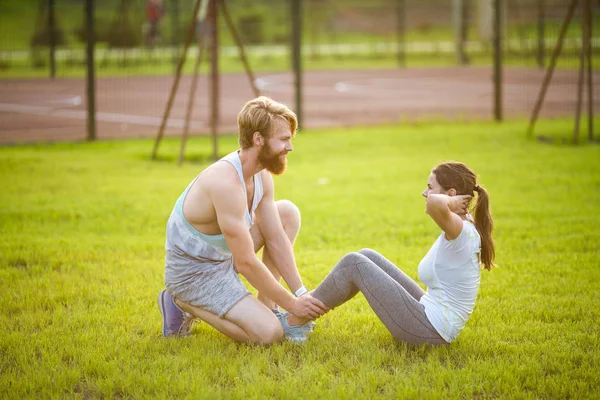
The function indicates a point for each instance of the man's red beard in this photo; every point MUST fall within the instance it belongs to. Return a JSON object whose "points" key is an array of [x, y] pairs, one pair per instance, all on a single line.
{"points": [[274, 163]]}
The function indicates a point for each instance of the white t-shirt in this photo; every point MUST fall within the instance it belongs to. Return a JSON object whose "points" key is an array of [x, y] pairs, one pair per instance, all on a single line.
{"points": [[451, 272]]}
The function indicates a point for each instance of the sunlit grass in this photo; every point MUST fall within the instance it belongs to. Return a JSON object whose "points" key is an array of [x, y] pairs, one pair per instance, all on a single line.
{"points": [[82, 230]]}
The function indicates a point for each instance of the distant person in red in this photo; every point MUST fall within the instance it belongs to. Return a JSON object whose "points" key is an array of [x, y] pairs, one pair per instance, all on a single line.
{"points": [[154, 13]]}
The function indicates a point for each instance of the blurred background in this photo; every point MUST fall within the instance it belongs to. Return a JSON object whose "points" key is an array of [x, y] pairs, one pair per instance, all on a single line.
{"points": [[381, 61]]}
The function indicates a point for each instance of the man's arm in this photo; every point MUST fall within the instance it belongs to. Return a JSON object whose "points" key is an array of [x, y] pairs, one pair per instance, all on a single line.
{"points": [[276, 240], [230, 205]]}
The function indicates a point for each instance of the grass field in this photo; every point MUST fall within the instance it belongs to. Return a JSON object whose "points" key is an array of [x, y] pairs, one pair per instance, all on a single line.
{"points": [[82, 230]]}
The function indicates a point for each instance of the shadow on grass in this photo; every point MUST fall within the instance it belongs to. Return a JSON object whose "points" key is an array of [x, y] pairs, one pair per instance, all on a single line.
{"points": [[566, 140]]}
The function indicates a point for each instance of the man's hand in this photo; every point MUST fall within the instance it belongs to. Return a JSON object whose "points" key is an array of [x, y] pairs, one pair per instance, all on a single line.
{"points": [[308, 307], [459, 204]]}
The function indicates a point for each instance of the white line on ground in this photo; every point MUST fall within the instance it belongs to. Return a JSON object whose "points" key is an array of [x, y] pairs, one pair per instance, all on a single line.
{"points": [[325, 48], [73, 101], [100, 116]]}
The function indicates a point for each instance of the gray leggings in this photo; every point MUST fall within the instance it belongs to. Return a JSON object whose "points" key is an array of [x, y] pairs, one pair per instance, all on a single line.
{"points": [[391, 293]]}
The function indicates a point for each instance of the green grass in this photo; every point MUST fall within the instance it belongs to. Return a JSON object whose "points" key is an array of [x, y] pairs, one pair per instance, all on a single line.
{"points": [[81, 262]]}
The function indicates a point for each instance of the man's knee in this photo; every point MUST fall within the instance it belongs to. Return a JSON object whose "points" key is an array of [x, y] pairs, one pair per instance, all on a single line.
{"points": [[267, 334], [289, 214]]}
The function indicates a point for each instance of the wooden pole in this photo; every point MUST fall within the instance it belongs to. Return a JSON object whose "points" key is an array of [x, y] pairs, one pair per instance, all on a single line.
{"points": [[461, 16], [53, 30], [296, 16], [498, 17], [174, 11], [587, 45], [550, 71], [466, 23], [579, 95], [457, 16], [190, 106], [541, 45], [400, 32], [214, 75], [240, 46], [91, 68], [188, 40]]}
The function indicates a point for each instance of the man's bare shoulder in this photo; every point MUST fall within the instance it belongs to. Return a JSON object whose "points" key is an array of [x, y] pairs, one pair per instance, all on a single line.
{"points": [[216, 191], [219, 176]]}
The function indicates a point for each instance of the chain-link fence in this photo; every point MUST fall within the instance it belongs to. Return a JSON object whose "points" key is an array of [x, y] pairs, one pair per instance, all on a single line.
{"points": [[407, 58]]}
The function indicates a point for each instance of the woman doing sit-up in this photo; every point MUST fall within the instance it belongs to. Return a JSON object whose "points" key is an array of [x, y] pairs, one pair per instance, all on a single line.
{"points": [[450, 270]]}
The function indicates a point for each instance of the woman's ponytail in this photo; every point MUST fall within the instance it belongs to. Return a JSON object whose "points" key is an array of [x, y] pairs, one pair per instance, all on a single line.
{"points": [[484, 225]]}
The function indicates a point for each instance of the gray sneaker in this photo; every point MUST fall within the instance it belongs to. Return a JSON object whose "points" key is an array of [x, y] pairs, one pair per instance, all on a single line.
{"points": [[293, 333], [279, 314]]}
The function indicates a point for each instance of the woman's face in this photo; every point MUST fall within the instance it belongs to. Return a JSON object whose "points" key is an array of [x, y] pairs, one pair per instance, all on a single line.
{"points": [[433, 187]]}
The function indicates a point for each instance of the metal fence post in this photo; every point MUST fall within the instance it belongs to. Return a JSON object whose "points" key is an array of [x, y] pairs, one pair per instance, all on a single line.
{"points": [[587, 46], [214, 75], [52, 29], [460, 16], [541, 39], [296, 10], [400, 29], [91, 80], [498, 60], [175, 32]]}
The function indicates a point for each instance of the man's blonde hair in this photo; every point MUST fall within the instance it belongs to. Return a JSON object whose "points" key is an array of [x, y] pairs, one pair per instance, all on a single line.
{"points": [[260, 115]]}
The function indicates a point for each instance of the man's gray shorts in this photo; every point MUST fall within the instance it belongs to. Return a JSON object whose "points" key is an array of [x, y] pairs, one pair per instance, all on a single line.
{"points": [[213, 286]]}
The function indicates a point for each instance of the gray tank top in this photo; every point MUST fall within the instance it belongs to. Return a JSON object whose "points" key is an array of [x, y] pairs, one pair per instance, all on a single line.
{"points": [[185, 241]]}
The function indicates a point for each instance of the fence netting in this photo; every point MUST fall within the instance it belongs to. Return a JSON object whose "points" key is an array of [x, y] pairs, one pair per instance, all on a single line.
{"points": [[381, 61]]}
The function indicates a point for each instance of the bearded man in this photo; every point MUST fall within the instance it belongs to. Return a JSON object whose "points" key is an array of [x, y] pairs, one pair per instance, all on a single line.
{"points": [[226, 215]]}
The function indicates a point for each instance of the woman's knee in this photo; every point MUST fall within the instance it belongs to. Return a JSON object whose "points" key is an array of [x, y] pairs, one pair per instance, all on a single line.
{"points": [[349, 259], [352, 261], [369, 253]]}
